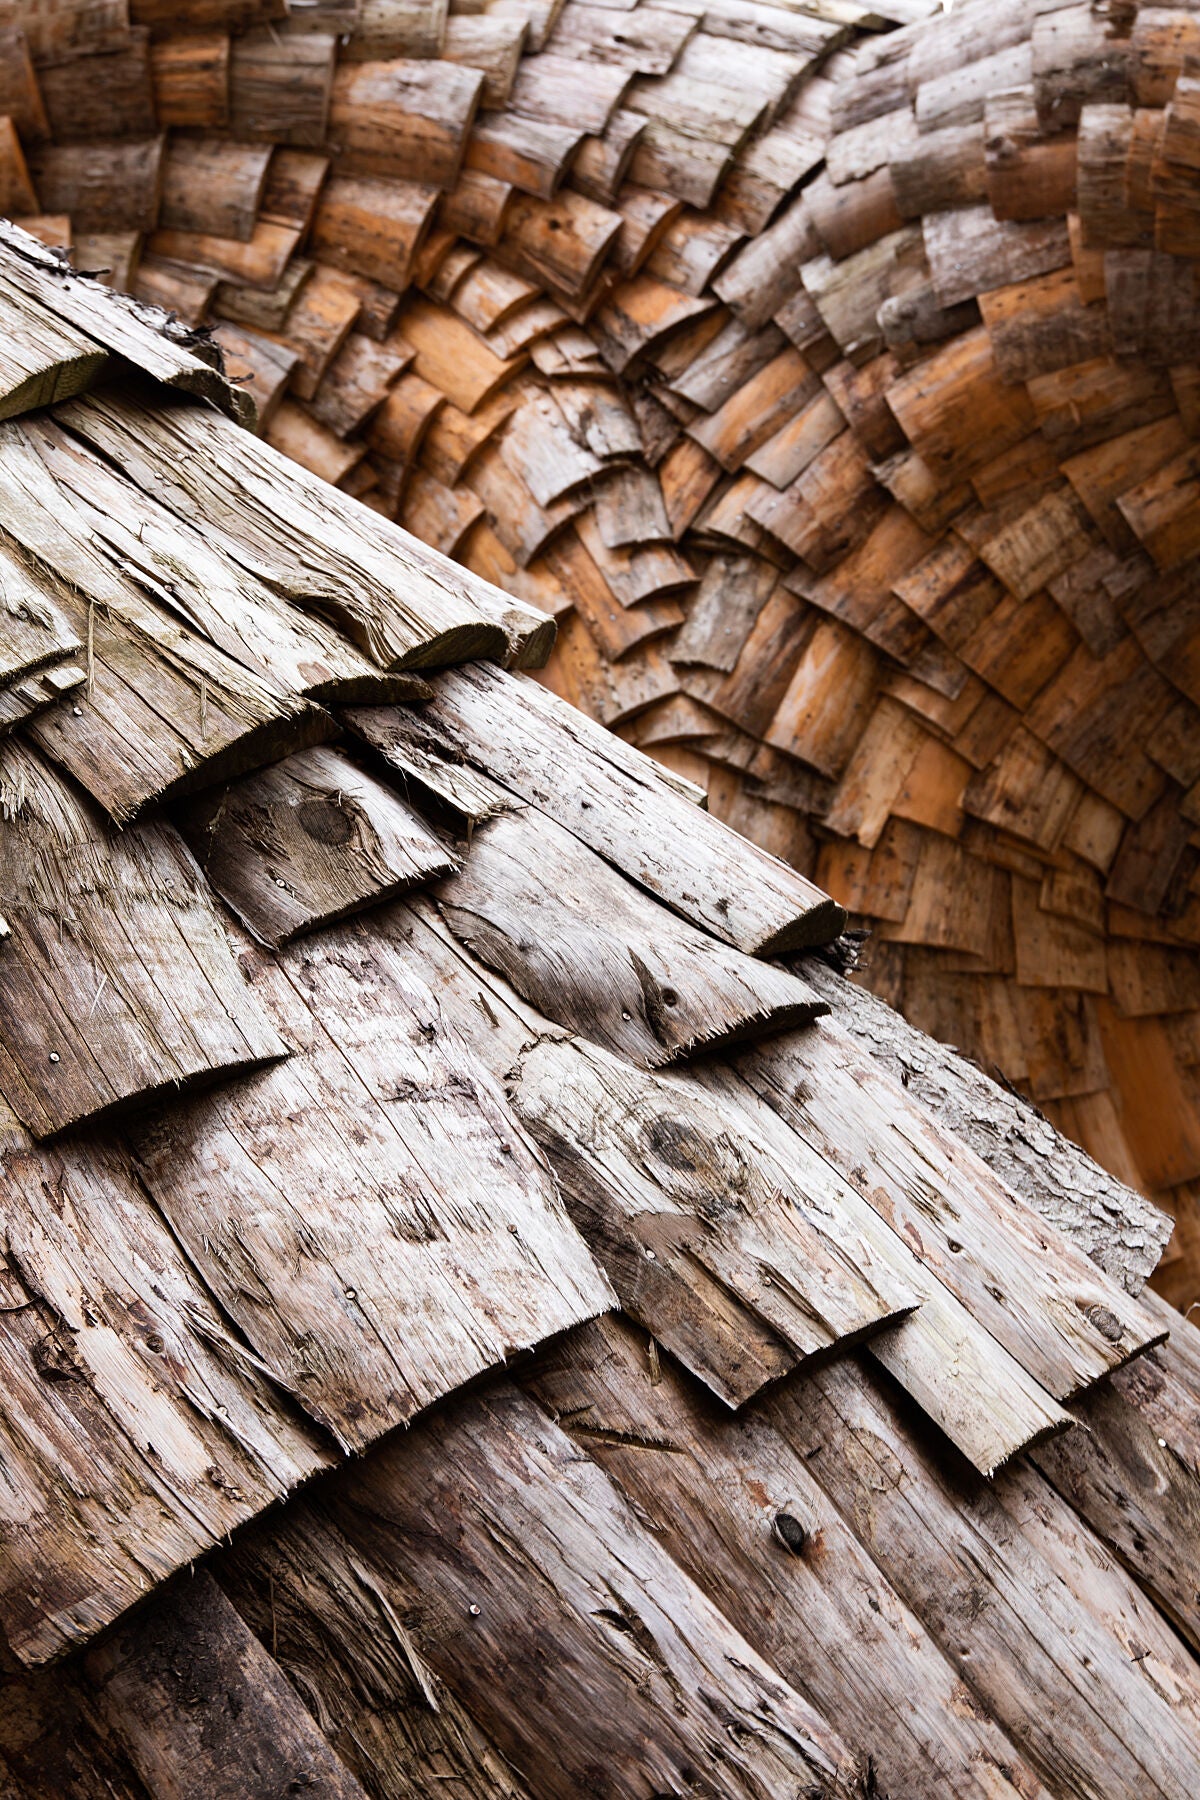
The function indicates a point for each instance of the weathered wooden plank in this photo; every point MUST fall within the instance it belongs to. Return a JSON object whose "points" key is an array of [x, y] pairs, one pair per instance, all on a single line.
{"points": [[525, 738], [1138, 1489], [165, 707], [741, 1264], [245, 617], [101, 186], [187, 1686], [333, 1630], [105, 999], [136, 1431], [114, 322], [488, 1504], [674, 1192], [35, 634], [403, 120], [1039, 1296], [308, 841], [1022, 1600], [597, 955], [718, 1492], [279, 86], [405, 604], [1120, 1230], [408, 1237], [212, 185]]}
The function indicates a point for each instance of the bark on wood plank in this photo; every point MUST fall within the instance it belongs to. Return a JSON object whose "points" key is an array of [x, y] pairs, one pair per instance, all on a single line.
{"points": [[372, 227], [137, 1432], [562, 241], [401, 602], [387, 28], [768, 908], [712, 1489], [970, 251], [561, 90], [100, 93], [87, 1026], [399, 1245], [308, 841], [264, 309], [104, 187], [212, 185], [604, 960], [1121, 1231], [1059, 1616], [530, 154], [493, 46], [191, 81], [649, 41], [356, 383], [279, 87], [453, 357], [403, 120], [318, 323], [193, 1696]]}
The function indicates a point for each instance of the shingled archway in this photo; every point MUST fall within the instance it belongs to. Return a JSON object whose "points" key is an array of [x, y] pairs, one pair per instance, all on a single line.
{"points": [[833, 386]]}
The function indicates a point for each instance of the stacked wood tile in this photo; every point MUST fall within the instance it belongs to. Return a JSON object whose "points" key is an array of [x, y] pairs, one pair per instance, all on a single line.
{"points": [[834, 387], [784, 1413]]}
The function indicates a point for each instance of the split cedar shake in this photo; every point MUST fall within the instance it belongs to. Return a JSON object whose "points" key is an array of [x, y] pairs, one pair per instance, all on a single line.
{"points": [[386, 1043]]}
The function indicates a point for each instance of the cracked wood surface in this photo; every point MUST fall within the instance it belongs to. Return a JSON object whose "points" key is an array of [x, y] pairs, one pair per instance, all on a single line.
{"points": [[408, 1237], [116, 981]]}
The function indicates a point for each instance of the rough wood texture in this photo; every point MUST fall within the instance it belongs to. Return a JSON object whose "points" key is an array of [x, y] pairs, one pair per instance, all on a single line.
{"points": [[87, 1023], [862, 496], [164, 1682], [673, 860], [137, 1431], [401, 1249], [490, 1507], [593, 952], [307, 841]]}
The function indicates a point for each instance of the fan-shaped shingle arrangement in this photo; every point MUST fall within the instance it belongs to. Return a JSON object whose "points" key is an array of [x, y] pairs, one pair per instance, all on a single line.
{"points": [[484, 1306], [835, 386]]}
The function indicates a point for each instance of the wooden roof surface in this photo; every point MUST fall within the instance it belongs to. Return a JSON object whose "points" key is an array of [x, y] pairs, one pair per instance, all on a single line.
{"points": [[783, 1412], [833, 386]]}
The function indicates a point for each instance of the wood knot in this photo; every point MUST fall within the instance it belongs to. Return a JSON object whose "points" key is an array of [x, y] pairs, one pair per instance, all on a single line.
{"points": [[325, 821], [790, 1532]]}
